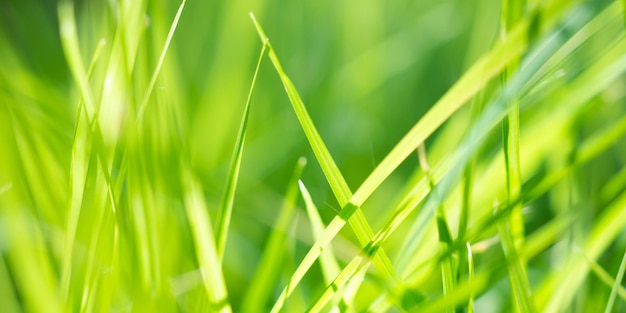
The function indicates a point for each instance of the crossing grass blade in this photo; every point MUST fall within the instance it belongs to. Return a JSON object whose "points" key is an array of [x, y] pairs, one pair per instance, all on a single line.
{"points": [[512, 231], [337, 183], [543, 239], [577, 100], [517, 274], [355, 268], [617, 286], [328, 262], [467, 86], [108, 169], [87, 131], [606, 278], [448, 273], [226, 206], [330, 265]]}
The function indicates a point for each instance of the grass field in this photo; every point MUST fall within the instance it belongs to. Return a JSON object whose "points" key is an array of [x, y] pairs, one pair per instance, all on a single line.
{"points": [[322, 156]]}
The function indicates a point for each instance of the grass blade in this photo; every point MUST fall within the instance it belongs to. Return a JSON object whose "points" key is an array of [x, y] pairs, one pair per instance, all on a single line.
{"points": [[330, 266], [519, 281], [512, 231], [617, 286], [470, 276], [328, 262], [226, 207], [605, 277], [336, 181], [157, 70], [448, 276], [210, 265]]}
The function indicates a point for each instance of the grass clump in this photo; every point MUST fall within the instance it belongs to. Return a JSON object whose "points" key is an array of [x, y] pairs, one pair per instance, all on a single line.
{"points": [[151, 160]]}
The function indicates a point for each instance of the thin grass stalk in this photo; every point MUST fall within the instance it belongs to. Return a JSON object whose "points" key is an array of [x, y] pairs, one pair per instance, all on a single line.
{"points": [[225, 210], [616, 286], [448, 275]]}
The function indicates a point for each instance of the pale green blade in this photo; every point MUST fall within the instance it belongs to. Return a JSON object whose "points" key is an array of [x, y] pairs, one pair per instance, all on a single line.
{"points": [[617, 286], [157, 70], [226, 207], [204, 242], [330, 266]]}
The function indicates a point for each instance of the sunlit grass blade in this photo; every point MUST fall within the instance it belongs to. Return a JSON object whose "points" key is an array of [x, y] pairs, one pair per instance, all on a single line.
{"points": [[69, 40], [605, 277], [328, 262], [517, 273], [226, 207], [359, 263], [157, 70], [512, 230], [470, 276], [268, 269], [617, 286], [448, 275], [346, 303], [466, 290], [493, 114], [336, 181], [468, 85], [110, 166], [330, 266], [204, 242], [512, 13], [599, 82], [84, 127]]}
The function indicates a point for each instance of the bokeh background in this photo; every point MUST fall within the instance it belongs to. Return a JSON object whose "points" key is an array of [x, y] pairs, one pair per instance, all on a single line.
{"points": [[366, 70]]}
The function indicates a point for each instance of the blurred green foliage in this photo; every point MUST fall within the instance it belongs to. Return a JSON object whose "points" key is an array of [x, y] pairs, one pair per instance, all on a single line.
{"points": [[367, 71]]}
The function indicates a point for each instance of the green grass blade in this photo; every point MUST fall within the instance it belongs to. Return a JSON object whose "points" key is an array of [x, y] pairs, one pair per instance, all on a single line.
{"points": [[157, 70], [204, 242], [492, 115], [470, 276], [512, 13], [476, 77], [617, 286], [84, 127], [605, 277], [69, 40], [268, 269], [519, 280], [336, 181], [328, 262], [448, 275], [330, 266], [466, 87], [357, 264], [512, 231], [331, 171], [226, 207]]}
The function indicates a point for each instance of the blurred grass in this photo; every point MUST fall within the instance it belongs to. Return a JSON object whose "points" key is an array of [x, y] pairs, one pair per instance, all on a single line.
{"points": [[117, 171]]}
